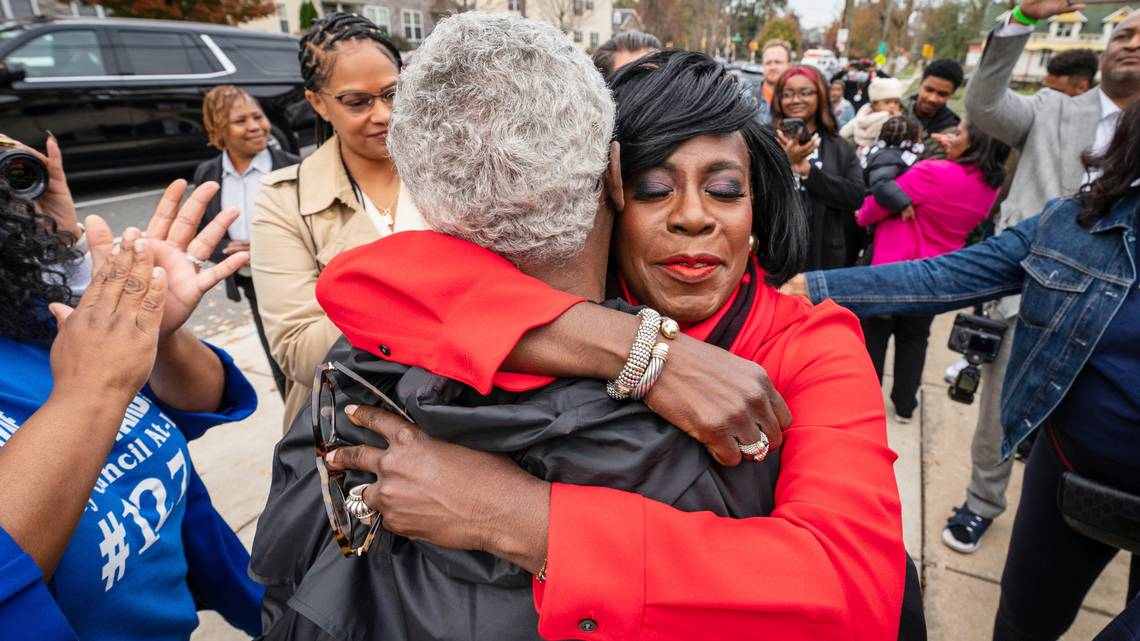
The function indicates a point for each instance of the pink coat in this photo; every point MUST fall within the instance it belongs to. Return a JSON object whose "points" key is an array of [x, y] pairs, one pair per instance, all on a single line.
{"points": [[949, 200]]}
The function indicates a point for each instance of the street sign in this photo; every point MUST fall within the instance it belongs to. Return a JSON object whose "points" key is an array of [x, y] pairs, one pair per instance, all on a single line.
{"points": [[928, 51], [882, 48], [737, 38], [880, 60]]}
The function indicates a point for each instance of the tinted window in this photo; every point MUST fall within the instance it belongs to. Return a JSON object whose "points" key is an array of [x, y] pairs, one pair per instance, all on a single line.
{"points": [[165, 53], [272, 56], [61, 53]]}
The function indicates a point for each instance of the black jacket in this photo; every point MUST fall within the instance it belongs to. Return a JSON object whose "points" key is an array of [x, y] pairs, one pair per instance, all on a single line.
{"points": [[884, 165], [212, 170], [569, 431], [832, 193]]}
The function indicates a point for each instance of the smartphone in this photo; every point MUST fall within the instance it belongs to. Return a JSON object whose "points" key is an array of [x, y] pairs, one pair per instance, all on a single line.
{"points": [[794, 128]]}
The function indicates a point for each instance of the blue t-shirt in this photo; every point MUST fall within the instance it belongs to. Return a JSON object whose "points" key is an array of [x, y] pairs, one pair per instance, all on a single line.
{"points": [[124, 573], [1101, 411]]}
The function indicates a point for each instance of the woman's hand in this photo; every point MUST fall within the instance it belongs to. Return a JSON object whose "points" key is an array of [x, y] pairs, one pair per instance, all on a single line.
{"points": [[107, 344], [452, 496], [101, 357], [720, 399], [796, 286], [798, 153], [172, 236], [907, 213], [56, 201]]}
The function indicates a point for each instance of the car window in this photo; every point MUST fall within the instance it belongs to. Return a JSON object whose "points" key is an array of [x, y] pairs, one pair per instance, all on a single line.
{"points": [[61, 54], [270, 55], [165, 53]]}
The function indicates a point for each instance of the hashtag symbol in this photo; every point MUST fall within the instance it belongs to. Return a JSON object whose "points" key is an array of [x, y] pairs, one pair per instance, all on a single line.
{"points": [[115, 549]]}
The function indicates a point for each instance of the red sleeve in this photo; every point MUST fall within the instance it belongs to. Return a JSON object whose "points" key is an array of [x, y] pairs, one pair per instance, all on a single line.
{"points": [[440, 303], [827, 564]]}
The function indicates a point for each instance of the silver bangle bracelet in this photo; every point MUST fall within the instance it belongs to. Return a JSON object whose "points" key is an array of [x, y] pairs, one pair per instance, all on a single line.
{"points": [[652, 372], [639, 354]]}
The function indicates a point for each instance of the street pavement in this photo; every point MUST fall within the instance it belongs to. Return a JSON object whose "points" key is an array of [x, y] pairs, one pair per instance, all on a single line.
{"points": [[961, 591]]}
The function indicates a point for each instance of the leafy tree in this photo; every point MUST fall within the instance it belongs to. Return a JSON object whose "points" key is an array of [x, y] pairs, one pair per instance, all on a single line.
{"points": [[217, 11], [951, 26], [782, 28], [308, 14]]}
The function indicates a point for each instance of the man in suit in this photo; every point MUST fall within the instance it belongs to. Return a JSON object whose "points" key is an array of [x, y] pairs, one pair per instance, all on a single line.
{"points": [[237, 126], [1050, 130]]}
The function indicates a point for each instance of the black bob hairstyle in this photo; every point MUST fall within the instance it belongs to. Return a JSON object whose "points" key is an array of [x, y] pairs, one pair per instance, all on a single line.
{"points": [[670, 97]]}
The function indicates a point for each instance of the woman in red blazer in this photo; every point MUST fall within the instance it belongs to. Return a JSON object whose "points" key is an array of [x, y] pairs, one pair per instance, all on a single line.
{"points": [[705, 230]]}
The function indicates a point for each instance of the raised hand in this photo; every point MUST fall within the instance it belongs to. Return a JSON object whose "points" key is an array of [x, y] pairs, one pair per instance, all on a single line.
{"points": [[1041, 9], [108, 343], [172, 236]]}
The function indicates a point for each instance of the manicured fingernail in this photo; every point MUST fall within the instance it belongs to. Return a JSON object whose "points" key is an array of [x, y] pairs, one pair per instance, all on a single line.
{"points": [[350, 409], [331, 457], [156, 272], [116, 249], [140, 245]]}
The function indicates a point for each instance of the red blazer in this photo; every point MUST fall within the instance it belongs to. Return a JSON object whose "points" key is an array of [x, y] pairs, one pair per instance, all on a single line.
{"points": [[828, 563]]}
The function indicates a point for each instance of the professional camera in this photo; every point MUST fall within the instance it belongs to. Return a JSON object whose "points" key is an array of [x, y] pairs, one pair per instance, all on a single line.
{"points": [[979, 340], [24, 173]]}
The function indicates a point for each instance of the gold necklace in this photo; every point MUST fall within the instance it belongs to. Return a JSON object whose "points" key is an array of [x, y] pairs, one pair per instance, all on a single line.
{"points": [[386, 212]]}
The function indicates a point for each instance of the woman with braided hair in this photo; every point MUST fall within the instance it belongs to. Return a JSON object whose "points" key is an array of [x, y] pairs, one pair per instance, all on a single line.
{"points": [[346, 194]]}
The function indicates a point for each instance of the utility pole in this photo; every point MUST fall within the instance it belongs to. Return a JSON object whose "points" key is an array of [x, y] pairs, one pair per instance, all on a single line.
{"points": [[886, 21], [848, 14]]}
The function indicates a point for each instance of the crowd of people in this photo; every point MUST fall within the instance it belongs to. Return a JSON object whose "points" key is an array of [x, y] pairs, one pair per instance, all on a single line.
{"points": [[475, 449]]}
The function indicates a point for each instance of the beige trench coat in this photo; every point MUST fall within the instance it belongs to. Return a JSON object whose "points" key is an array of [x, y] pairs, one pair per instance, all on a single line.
{"points": [[292, 238]]}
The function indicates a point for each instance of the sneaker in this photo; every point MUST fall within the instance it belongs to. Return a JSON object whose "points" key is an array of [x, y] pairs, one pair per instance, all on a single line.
{"points": [[964, 530], [903, 419], [951, 373]]}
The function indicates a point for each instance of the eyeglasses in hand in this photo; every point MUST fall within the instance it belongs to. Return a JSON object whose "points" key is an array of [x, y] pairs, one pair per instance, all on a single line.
{"points": [[324, 416]]}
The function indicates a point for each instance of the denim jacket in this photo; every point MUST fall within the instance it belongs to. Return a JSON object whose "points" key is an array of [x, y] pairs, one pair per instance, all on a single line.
{"points": [[1072, 280]]}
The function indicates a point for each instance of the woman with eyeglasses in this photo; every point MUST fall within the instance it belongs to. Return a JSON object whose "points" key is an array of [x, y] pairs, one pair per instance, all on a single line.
{"points": [[347, 193], [825, 167]]}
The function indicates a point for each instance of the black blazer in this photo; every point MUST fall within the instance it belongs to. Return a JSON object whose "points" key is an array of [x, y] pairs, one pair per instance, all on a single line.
{"points": [[212, 170], [833, 195]]}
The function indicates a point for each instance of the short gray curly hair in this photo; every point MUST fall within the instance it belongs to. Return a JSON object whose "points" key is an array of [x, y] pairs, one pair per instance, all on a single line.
{"points": [[500, 131]]}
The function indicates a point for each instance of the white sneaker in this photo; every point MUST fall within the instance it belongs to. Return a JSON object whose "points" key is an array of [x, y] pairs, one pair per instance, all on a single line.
{"points": [[902, 420], [951, 373]]}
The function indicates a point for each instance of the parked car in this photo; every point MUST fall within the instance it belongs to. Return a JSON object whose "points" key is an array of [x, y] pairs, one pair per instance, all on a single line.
{"points": [[822, 59], [125, 95]]}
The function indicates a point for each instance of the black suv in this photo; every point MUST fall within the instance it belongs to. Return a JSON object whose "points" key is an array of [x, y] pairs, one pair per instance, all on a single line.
{"points": [[125, 95]]}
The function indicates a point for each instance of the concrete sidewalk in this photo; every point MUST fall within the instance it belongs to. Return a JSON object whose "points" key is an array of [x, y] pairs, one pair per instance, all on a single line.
{"points": [[932, 471]]}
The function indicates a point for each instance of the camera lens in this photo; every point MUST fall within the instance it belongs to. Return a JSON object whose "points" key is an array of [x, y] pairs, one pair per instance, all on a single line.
{"points": [[24, 173], [20, 176]]}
